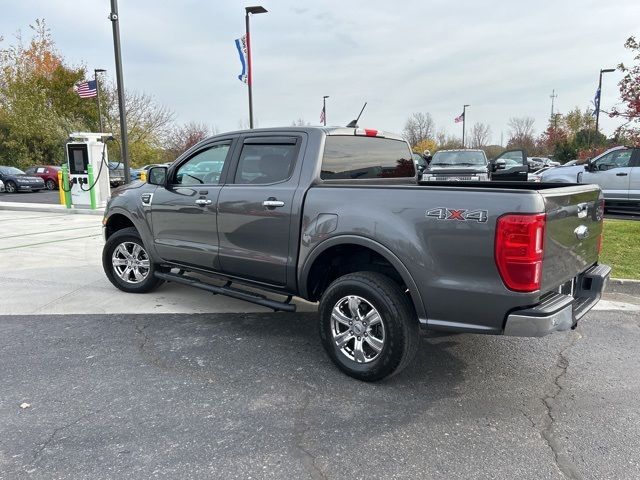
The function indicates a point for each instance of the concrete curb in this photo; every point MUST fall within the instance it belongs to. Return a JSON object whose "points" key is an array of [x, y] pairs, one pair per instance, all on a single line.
{"points": [[624, 285], [43, 207]]}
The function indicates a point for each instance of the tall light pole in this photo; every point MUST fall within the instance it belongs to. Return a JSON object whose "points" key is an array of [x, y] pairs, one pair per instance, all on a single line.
{"points": [[464, 121], [553, 96], [255, 10], [598, 95], [324, 109], [124, 141], [96, 71]]}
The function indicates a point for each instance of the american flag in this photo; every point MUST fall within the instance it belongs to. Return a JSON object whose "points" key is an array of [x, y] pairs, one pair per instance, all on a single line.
{"points": [[460, 118], [322, 115], [87, 89]]}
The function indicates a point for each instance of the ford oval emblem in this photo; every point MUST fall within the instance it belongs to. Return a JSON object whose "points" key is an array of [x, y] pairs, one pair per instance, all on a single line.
{"points": [[581, 232]]}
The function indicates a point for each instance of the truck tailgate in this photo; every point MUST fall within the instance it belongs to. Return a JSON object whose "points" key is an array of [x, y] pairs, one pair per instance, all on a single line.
{"points": [[573, 232]]}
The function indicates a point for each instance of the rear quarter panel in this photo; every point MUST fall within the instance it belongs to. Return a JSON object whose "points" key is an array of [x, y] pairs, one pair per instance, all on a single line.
{"points": [[451, 261]]}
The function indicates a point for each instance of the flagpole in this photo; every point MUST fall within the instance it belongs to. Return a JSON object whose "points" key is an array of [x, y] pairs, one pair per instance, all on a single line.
{"points": [[95, 78], [249, 10], [324, 108], [246, 20], [464, 120]]}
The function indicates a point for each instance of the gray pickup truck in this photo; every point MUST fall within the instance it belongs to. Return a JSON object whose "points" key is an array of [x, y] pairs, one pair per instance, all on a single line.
{"points": [[336, 216]]}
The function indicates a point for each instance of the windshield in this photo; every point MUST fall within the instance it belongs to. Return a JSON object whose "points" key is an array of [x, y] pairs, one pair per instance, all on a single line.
{"points": [[11, 171], [459, 158]]}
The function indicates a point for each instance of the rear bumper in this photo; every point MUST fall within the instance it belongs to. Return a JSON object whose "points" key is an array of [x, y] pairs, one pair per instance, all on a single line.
{"points": [[560, 312]]}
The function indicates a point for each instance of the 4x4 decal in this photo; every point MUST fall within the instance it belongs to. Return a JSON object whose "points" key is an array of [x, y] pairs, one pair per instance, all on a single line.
{"points": [[463, 215]]}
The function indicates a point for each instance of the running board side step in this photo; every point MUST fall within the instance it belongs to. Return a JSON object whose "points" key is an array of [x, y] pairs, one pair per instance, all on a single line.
{"points": [[226, 290]]}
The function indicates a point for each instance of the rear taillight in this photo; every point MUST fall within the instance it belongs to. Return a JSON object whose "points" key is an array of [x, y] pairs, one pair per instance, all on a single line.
{"points": [[519, 250]]}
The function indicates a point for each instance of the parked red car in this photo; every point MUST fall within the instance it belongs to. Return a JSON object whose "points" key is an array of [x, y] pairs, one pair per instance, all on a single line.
{"points": [[48, 173]]}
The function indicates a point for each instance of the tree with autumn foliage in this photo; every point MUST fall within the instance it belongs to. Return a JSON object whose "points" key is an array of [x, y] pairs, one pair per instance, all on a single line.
{"points": [[630, 95], [37, 106]]}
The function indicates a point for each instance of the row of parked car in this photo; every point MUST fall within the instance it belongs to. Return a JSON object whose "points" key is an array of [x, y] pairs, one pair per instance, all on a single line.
{"points": [[41, 177], [616, 171]]}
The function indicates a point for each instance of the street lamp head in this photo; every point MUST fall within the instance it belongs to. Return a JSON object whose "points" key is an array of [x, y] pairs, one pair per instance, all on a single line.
{"points": [[255, 10], [466, 105], [326, 96], [607, 70], [99, 70]]}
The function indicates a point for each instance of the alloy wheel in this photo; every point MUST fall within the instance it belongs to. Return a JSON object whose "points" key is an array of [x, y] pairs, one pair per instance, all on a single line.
{"points": [[357, 329], [131, 262]]}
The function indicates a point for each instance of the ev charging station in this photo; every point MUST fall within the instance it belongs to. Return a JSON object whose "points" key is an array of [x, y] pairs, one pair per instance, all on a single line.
{"points": [[87, 172]]}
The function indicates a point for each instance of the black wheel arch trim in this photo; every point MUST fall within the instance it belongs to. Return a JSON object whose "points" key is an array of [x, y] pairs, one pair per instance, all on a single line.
{"points": [[303, 272], [139, 224]]}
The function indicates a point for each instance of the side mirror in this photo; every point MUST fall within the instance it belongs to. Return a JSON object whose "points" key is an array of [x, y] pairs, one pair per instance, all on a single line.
{"points": [[499, 164], [157, 176]]}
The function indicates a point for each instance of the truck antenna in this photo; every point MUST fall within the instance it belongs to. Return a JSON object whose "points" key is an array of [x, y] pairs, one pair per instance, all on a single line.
{"points": [[354, 123]]}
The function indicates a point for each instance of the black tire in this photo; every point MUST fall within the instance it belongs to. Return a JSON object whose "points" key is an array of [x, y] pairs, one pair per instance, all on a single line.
{"points": [[11, 187], [401, 330], [128, 236], [50, 184]]}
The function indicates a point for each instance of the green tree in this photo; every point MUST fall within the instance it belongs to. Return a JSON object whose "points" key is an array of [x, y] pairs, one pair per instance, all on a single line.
{"points": [[630, 95]]}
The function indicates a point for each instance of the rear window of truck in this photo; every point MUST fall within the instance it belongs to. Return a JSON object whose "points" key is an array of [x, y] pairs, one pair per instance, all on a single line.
{"points": [[355, 157]]}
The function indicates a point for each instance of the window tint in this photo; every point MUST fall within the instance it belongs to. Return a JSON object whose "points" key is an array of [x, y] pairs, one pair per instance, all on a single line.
{"points": [[355, 157], [204, 167], [265, 163], [617, 159], [460, 157], [30, 170], [516, 155]]}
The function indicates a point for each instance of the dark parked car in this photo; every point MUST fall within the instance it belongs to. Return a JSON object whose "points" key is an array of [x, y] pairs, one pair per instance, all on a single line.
{"points": [[336, 216], [116, 173], [15, 180], [472, 165], [48, 173]]}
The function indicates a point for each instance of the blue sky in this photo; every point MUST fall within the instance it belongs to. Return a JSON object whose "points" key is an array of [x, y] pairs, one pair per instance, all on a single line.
{"points": [[501, 57]]}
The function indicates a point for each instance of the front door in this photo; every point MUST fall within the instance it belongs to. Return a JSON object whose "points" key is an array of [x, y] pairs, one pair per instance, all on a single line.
{"points": [[612, 172], [515, 167], [183, 215], [255, 209]]}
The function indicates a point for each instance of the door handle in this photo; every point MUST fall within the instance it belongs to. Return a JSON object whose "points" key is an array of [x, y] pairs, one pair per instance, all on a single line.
{"points": [[202, 202], [621, 174], [272, 203]]}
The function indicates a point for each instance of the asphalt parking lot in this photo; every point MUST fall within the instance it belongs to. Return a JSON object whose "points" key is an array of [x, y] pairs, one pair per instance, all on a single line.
{"points": [[253, 396], [181, 384]]}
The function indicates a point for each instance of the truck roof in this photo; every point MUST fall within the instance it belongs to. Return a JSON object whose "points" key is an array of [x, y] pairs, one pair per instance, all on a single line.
{"points": [[370, 132]]}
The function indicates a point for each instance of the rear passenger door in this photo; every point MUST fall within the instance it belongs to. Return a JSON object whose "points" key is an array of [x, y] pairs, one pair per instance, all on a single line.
{"points": [[255, 208]]}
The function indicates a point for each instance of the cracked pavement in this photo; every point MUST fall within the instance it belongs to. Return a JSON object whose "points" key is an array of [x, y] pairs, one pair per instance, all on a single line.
{"points": [[252, 395]]}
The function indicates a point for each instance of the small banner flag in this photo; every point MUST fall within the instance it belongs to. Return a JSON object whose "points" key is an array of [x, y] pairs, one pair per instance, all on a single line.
{"points": [[322, 115], [596, 102], [459, 118], [241, 45], [86, 89]]}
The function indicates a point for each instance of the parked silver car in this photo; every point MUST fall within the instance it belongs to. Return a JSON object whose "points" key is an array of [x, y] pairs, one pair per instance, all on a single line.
{"points": [[617, 171]]}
